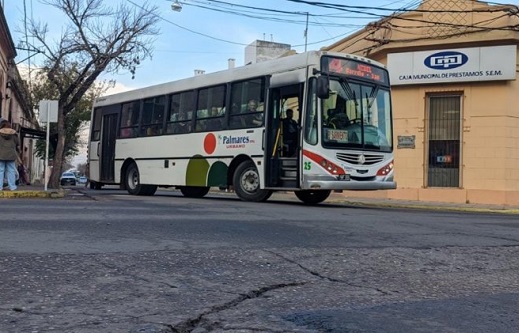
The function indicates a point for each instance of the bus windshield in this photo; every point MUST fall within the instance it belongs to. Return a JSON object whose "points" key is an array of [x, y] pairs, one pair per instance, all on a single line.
{"points": [[357, 115]]}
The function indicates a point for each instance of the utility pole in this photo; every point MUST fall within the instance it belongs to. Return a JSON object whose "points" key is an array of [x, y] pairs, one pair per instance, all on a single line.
{"points": [[306, 30]]}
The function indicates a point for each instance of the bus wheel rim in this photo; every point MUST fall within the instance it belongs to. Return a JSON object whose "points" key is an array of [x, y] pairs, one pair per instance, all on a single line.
{"points": [[133, 179], [250, 181]]}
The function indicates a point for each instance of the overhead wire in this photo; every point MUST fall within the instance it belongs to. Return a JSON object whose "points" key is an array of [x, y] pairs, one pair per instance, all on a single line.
{"points": [[266, 12], [187, 29], [382, 9], [477, 27], [368, 12]]}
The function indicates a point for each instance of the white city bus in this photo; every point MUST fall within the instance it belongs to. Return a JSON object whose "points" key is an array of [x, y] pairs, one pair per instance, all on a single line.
{"points": [[225, 130]]}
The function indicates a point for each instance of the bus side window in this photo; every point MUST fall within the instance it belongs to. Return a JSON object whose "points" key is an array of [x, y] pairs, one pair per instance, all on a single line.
{"points": [[248, 98], [210, 101], [96, 126], [153, 115], [129, 119], [180, 113]]}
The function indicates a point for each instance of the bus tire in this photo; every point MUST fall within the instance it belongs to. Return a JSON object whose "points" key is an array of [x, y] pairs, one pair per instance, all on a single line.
{"points": [[311, 197], [247, 183], [95, 185], [194, 192], [133, 184]]}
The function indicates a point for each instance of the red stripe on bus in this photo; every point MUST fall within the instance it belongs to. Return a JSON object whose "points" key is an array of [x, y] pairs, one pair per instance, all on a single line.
{"points": [[324, 163]]}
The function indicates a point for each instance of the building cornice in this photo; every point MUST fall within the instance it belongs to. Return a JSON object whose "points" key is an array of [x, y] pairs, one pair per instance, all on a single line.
{"points": [[5, 36]]}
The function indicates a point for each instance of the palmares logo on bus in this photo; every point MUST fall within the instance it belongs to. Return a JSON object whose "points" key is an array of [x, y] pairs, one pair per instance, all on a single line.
{"points": [[234, 141], [446, 60]]}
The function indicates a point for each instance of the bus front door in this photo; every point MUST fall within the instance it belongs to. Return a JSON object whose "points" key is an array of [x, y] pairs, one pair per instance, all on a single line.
{"points": [[282, 169]]}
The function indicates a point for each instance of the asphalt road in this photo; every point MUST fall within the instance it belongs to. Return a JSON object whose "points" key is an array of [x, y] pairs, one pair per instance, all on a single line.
{"points": [[109, 262]]}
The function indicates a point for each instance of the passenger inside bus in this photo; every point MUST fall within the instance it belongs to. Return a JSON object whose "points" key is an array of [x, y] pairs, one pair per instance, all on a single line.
{"points": [[215, 122], [252, 106], [338, 119], [128, 131], [182, 124], [257, 118], [290, 134]]}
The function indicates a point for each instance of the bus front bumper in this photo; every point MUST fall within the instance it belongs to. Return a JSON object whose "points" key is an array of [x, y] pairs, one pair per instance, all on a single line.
{"points": [[331, 183]]}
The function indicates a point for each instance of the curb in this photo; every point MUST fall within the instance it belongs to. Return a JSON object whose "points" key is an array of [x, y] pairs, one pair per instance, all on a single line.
{"points": [[433, 207], [54, 194]]}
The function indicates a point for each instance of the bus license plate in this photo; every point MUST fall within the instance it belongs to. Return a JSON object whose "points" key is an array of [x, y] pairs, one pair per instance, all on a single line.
{"points": [[337, 135]]}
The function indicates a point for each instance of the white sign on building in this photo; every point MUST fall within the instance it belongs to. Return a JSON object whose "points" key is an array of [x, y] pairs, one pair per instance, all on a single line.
{"points": [[453, 65]]}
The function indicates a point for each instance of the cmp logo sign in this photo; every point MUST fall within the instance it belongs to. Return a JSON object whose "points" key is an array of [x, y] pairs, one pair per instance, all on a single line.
{"points": [[446, 60]]}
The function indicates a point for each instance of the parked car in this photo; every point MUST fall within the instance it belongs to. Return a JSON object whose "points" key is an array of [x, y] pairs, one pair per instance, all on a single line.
{"points": [[68, 178], [83, 180]]}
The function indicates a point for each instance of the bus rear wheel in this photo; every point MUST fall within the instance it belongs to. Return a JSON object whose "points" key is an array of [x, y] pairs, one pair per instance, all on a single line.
{"points": [[311, 197], [95, 185], [133, 184], [247, 183], [194, 192]]}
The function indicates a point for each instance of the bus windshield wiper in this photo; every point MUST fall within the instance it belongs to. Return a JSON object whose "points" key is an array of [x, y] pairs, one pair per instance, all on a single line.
{"points": [[349, 93], [372, 96], [347, 88]]}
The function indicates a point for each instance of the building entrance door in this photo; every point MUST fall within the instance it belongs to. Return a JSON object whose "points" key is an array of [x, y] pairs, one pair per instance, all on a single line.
{"points": [[443, 141]]}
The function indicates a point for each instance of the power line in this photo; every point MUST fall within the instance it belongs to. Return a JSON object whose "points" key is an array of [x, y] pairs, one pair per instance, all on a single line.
{"points": [[232, 42], [269, 14], [382, 9], [184, 28]]}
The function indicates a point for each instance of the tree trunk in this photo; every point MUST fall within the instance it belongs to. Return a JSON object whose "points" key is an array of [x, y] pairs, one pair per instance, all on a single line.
{"points": [[57, 162]]}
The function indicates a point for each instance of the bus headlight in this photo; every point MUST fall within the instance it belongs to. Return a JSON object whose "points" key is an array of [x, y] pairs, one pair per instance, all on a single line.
{"points": [[331, 167], [385, 170]]}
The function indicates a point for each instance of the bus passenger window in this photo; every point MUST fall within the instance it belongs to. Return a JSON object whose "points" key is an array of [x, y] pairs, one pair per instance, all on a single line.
{"points": [[129, 119], [96, 125], [210, 102], [180, 113], [247, 99], [153, 115]]}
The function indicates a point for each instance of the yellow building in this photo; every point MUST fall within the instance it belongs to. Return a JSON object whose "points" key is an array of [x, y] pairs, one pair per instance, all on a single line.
{"points": [[453, 67]]}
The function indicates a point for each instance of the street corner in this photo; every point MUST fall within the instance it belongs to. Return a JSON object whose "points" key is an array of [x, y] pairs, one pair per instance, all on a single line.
{"points": [[53, 194]]}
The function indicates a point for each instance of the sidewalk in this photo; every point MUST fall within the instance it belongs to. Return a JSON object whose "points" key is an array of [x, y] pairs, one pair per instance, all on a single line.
{"points": [[38, 191], [437, 206]]}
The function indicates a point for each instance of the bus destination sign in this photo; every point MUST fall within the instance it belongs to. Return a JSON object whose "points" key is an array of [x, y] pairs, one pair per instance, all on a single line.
{"points": [[356, 69]]}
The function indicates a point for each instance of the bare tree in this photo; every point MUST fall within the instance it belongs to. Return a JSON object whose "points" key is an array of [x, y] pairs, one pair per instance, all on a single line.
{"points": [[97, 39]]}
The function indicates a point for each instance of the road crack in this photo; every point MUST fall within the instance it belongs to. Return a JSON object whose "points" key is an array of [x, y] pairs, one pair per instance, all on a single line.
{"points": [[327, 278], [190, 324]]}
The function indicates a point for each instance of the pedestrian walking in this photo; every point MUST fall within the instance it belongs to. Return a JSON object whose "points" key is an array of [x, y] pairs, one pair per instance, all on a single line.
{"points": [[9, 150]]}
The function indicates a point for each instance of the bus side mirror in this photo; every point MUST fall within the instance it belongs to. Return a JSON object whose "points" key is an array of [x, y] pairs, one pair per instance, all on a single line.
{"points": [[323, 87]]}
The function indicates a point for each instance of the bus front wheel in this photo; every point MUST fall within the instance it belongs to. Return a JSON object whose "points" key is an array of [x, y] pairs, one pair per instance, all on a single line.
{"points": [[247, 183], [133, 184], [194, 192], [312, 197]]}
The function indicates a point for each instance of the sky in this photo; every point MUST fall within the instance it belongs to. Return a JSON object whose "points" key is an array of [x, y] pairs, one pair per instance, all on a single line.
{"points": [[205, 34]]}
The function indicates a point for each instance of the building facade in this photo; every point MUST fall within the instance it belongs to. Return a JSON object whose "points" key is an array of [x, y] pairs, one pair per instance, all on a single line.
{"points": [[453, 68], [262, 50], [14, 103]]}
